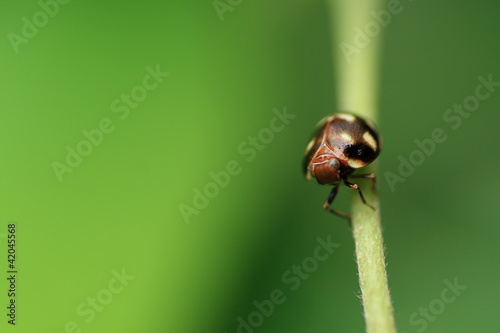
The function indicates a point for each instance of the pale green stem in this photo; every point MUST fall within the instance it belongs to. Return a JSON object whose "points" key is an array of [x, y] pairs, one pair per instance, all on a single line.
{"points": [[357, 83]]}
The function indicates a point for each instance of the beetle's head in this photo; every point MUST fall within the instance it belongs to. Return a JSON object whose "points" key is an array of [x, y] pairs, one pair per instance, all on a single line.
{"points": [[325, 168]]}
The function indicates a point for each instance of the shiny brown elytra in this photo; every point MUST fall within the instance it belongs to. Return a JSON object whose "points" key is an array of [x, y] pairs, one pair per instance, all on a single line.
{"points": [[342, 143]]}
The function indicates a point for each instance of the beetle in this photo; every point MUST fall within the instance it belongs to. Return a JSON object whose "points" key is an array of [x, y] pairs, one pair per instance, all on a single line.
{"points": [[342, 143]]}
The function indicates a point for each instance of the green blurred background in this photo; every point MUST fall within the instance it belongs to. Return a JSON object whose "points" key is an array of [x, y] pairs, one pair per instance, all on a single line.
{"points": [[119, 210]]}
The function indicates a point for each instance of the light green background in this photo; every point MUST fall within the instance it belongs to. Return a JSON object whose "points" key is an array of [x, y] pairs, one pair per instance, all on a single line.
{"points": [[119, 209]]}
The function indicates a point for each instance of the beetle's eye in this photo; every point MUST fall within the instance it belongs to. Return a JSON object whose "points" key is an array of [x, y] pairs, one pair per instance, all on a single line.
{"points": [[334, 164]]}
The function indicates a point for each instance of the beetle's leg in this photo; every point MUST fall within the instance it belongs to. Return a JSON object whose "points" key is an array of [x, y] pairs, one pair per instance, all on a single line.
{"points": [[329, 201], [356, 187], [370, 176]]}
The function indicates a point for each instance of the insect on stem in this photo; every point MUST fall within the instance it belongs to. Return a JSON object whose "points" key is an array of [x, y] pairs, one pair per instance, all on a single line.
{"points": [[342, 143]]}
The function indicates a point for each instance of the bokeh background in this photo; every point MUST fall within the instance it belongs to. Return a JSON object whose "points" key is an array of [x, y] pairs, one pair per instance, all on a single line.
{"points": [[119, 209]]}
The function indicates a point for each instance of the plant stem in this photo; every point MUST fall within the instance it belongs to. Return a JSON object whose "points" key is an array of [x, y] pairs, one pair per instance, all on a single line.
{"points": [[375, 294], [357, 85]]}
